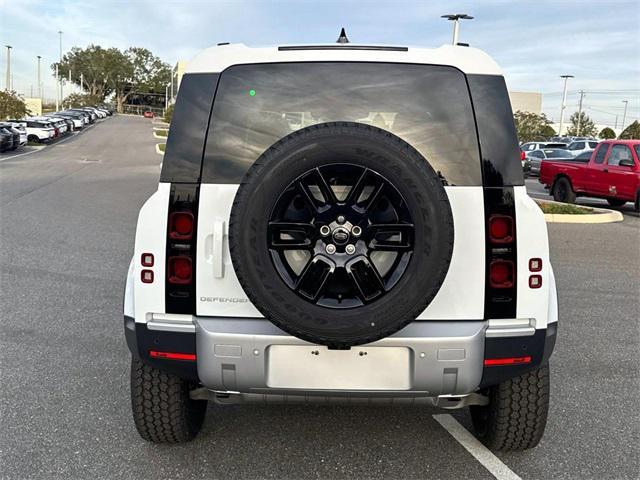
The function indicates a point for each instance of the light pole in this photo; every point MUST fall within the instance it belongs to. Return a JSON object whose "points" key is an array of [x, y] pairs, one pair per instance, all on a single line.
{"points": [[564, 102], [580, 112], [624, 115], [7, 85], [39, 82], [455, 18], [58, 79]]}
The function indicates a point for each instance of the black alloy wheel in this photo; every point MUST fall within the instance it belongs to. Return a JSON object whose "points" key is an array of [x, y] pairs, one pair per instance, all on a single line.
{"points": [[341, 235]]}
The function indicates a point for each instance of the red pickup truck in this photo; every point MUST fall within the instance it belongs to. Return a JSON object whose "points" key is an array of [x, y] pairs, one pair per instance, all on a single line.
{"points": [[612, 173]]}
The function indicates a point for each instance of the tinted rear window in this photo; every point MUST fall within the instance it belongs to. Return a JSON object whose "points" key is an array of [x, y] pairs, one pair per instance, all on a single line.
{"points": [[427, 106]]}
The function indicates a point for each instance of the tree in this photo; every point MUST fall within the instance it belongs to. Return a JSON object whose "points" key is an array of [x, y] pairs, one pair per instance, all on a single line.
{"points": [[107, 71], [632, 132], [587, 127], [81, 100], [12, 105], [142, 72], [531, 126], [607, 133], [168, 114]]}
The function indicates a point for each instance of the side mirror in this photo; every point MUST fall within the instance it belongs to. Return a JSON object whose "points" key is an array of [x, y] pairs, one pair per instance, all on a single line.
{"points": [[626, 162]]}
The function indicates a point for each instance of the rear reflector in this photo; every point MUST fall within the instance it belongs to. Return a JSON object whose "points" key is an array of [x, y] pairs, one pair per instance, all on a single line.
{"points": [[172, 355], [495, 362], [146, 276], [501, 274], [500, 229], [179, 270], [180, 226]]}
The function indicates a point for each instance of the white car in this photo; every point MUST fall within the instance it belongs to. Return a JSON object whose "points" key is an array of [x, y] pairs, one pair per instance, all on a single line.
{"points": [[22, 128], [362, 253], [76, 120], [59, 124], [580, 146], [40, 131]]}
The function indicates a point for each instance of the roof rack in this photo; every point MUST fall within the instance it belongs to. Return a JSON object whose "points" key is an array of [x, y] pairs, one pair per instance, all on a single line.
{"points": [[343, 46]]}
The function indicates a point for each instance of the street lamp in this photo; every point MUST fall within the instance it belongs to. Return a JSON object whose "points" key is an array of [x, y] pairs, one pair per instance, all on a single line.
{"points": [[39, 83], [564, 102], [624, 115], [7, 84], [455, 18]]}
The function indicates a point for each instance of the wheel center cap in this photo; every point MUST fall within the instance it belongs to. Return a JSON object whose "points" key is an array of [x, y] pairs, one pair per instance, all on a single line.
{"points": [[340, 236]]}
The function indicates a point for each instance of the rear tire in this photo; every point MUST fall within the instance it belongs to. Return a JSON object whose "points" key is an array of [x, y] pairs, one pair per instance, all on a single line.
{"points": [[637, 203], [33, 139], [163, 411], [614, 202], [516, 416], [563, 191]]}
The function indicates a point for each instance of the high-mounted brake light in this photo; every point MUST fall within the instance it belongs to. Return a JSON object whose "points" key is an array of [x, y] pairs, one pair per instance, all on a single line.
{"points": [[495, 362], [501, 229], [501, 274], [179, 270], [173, 355], [181, 226]]}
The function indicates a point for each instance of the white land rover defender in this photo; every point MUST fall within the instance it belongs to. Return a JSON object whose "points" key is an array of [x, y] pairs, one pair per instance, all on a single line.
{"points": [[342, 223]]}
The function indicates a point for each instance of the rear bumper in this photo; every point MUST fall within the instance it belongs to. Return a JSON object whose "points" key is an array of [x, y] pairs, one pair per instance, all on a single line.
{"points": [[429, 358]]}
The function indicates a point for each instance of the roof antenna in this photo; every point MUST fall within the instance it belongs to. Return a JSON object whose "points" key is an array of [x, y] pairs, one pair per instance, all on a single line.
{"points": [[343, 37]]}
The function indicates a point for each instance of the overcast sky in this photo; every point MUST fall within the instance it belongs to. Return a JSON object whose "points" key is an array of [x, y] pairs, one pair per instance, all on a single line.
{"points": [[534, 41]]}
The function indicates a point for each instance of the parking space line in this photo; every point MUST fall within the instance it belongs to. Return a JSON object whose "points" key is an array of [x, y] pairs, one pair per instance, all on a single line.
{"points": [[475, 448], [37, 149]]}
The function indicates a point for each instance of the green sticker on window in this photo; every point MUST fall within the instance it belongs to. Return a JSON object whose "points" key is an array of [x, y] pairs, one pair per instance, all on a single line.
{"points": [[252, 93]]}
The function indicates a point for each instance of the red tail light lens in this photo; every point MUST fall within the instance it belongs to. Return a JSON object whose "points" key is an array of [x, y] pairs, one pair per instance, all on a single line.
{"points": [[146, 259], [535, 281], [501, 274], [535, 264], [501, 229], [146, 276], [523, 156], [179, 270], [172, 355], [494, 362], [181, 226]]}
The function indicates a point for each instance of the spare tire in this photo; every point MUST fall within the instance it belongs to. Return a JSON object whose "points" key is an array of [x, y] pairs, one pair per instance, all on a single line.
{"points": [[341, 234]]}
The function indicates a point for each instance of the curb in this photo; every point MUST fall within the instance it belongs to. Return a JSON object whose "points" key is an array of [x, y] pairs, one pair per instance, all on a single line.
{"points": [[603, 215], [162, 124], [158, 151], [159, 136]]}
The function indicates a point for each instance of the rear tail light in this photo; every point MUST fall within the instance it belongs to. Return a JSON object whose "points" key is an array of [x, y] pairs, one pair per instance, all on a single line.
{"points": [[172, 355], [523, 157], [535, 281], [495, 362], [179, 270], [181, 226], [146, 276], [535, 264], [146, 260], [501, 229], [501, 274]]}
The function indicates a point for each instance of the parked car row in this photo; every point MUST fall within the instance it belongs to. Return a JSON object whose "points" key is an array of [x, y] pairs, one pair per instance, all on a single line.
{"points": [[532, 153], [46, 128]]}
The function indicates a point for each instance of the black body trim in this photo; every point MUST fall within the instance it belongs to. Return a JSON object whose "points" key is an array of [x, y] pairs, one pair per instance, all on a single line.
{"points": [[501, 347], [185, 145], [500, 302], [182, 298], [550, 341], [496, 131], [130, 336], [175, 342]]}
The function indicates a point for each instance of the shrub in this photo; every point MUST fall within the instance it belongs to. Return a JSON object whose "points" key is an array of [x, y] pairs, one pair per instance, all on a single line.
{"points": [[168, 114], [607, 133]]}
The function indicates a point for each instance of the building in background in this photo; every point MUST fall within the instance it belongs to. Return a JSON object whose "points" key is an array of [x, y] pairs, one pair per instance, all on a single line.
{"points": [[530, 102], [176, 77], [34, 106]]}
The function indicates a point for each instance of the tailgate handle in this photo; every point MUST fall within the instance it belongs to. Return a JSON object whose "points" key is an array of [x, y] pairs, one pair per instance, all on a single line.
{"points": [[218, 248]]}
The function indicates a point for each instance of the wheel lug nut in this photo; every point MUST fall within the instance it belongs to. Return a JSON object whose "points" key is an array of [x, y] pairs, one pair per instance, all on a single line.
{"points": [[325, 230], [341, 219], [331, 249], [350, 249], [356, 231]]}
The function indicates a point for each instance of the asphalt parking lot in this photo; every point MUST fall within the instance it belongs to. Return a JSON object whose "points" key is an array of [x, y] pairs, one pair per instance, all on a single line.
{"points": [[67, 222]]}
